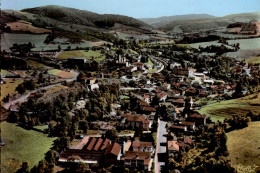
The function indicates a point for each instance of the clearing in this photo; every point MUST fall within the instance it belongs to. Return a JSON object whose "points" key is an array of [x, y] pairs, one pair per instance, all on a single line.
{"points": [[22, 145], [61, 74], [225, 109], [244, 148], [90, 55]]}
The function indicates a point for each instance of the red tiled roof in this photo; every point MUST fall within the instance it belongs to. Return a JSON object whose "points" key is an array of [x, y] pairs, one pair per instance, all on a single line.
{"points": [[178, 101], [137, 155], [162, 94], [142, 144], [177, 127], [149, 109], [138, 118], [197, 116], [187, 123], [91, 144], [173, 146], [188, 140], [115, 149], [105, 144], [98, 144]]}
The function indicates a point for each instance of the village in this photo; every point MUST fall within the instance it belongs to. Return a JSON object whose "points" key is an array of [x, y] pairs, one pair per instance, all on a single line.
{"points": [[148, 106]]}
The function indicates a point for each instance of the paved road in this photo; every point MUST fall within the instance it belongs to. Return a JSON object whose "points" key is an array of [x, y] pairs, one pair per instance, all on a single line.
{"points": [[25, 96], [160, 146]]}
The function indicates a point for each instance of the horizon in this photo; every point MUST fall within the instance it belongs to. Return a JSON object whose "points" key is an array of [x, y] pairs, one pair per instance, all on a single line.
{"points": [[145, 8]]}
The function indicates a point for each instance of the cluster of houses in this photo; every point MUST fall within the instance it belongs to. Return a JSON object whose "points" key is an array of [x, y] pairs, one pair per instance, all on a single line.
{"points": [[174, 99]]}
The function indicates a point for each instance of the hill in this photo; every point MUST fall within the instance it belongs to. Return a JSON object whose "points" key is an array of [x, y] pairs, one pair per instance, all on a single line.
{"points": [[86, 18], [74, 25], [161, 21], [213, 23]]}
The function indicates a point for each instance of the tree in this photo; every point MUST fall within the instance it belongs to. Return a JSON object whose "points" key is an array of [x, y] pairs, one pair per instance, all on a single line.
{"points": [[21, 88], [24, 168], [111, 134]]}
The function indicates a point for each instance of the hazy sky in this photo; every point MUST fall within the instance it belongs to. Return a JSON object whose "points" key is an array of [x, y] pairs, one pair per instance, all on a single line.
{"points": [[145, 8]]}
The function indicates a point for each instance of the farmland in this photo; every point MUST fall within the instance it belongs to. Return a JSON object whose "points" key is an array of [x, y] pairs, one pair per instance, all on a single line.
{"points": [[82, 53], [243, 146], [254, 60], [22, 145], [225, 109], [61, 74], [26, 27], [9, 87], [8, 39]]}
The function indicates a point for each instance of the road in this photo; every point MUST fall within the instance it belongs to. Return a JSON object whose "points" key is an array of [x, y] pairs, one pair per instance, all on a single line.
{"points": [[24, 97], [160, 146]]}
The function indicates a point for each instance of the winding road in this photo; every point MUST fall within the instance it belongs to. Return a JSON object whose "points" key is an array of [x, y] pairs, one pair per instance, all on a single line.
{"points": [[24, 97]]}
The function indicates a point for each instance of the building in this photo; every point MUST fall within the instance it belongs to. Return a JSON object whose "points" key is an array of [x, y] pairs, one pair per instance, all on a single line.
{"points": [[137, 159], [135, 121], [95, 150], [143, 146], [172, 147]]}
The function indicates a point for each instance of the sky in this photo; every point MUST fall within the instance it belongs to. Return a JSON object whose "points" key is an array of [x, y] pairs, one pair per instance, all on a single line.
{"points": [[145, 8]]}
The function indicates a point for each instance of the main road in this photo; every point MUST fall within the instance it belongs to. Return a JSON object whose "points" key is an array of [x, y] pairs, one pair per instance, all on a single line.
{"points": [[160, 146]]}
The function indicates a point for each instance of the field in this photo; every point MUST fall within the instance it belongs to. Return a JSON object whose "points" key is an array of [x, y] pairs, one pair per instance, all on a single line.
{"points": [[244, 148], [35, 65], [9, 87], [54, 89], [254, 60], [27, 27], [82, 53], [22, 145], [225, 109], [8, 39], [61, 74]]}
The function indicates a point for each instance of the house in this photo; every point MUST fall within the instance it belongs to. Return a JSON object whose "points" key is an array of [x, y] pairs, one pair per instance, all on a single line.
{"points": [[181, 71], [178, 102], [94, 150], [178, 128], [137, 159], [172, 147], [139, 65], [143, 146], [135, 121], [197, 118], [190, 125], [162, 96]]}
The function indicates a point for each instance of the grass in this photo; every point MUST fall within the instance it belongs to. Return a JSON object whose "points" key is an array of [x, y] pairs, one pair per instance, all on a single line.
{"points": [[35, 65], [54, 89], [123, 132], [254, 60], [97, 56], [244, 148], [155, 137], [225, 109], [5, 72], [22, 145], [89, 132], [9, 87], [61, 74], [150, 62]]}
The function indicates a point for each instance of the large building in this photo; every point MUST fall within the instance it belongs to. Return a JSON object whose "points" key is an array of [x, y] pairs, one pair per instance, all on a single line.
{"points": [[95, 150]]}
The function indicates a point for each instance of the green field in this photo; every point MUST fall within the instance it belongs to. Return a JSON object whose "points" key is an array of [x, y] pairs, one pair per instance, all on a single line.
{"points": [[254, 60], [82, 53], [225, 109], [244, 148], [9, 87], [22, 145], [5, 72]]}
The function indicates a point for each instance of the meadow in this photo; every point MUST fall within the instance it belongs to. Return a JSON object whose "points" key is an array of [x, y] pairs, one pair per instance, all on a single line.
{"points": [[225, 109], [97, 56], [244, 148], [22, 145], [9, 87]]}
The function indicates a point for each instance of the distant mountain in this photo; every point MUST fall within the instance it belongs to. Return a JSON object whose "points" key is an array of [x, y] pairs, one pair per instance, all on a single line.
{"points": [[160, 21], [216, 23]]}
